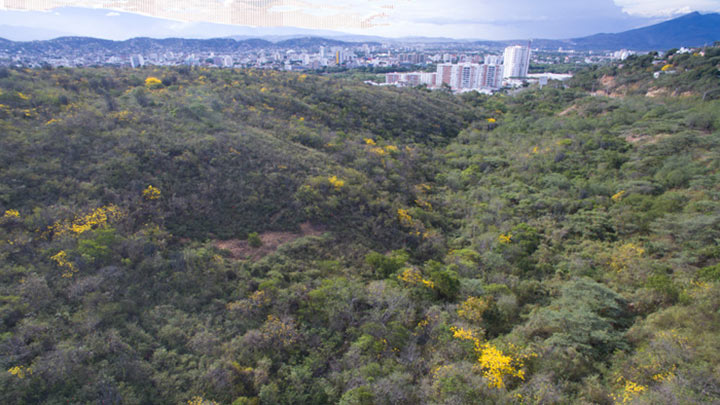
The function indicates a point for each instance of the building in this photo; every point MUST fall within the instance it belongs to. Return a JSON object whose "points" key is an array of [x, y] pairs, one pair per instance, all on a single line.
{"points": [[137, 61], [516, 60], [622, 54], [458, 76], [411, 79], [469, 76], [493, 60], [491, 76]]}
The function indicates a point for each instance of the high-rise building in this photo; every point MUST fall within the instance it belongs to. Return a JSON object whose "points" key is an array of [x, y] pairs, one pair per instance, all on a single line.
{"points": [[491, 76], [411, 78], [458, 76], [493, 60], [137, 61], [469, 76], [446, 74], [516, 61]]}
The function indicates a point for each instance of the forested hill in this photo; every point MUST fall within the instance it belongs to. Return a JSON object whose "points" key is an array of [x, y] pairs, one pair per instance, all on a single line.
{"points": [[248, 237]]}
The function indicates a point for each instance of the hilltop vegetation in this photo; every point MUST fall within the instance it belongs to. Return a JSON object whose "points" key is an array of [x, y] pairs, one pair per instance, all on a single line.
{"points": [[553, 246]]}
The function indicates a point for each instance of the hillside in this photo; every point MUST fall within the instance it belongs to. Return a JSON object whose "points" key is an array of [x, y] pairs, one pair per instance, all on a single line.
{"points": [[252, 237], [690, 30]]}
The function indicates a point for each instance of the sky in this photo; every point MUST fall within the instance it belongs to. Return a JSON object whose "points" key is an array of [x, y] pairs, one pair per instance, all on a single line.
{"points": [[470, 19]]}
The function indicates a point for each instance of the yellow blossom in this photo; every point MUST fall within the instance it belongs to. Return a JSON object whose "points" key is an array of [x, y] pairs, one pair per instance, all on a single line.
{"points": [[96, 218], [20, 371], [337, 183], [505, 239], [151, 193], [630, 391], [153, 82], [11, 214], [491, 120], [200, 401], [404, 217], [464, 334], [413, 277], [61, 259], [369, 141], [618, 196], [495, 364], [665, 376]]}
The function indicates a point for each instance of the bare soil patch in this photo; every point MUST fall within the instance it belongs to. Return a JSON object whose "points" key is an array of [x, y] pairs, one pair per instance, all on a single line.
{"points": [[645, 139], [241, 250], [567, 110]]}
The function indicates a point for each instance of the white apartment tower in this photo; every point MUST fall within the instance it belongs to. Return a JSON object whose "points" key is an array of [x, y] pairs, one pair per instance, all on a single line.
{"points": [[516, 61], [469, 76]]}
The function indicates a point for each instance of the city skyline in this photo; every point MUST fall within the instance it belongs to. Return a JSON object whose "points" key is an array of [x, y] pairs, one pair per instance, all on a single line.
{"points": [[485, 19]]}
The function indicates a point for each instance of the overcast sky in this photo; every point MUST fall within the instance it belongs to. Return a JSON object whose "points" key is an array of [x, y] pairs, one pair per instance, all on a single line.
{"points": [[480, 19]]}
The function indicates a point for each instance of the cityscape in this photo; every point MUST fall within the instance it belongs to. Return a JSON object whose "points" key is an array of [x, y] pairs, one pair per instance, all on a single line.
{"points": [[461, 67]]}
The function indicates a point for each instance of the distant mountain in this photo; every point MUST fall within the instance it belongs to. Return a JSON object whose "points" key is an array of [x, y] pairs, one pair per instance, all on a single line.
{"points": [[693, 29], [310, 42], [690, 30], [60, 46], [100, 49]]}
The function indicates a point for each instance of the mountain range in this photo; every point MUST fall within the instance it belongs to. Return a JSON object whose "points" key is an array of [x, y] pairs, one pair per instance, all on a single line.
{"points": [[694, 29]]}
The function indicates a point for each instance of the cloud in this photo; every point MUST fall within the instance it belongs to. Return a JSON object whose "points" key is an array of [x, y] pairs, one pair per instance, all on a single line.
{"points": [[666, 8], [487, 19], [323, 14]]}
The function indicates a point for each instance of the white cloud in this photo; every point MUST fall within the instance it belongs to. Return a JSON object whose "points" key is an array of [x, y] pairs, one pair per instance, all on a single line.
{"points": [[112, 14], [666, 8]]}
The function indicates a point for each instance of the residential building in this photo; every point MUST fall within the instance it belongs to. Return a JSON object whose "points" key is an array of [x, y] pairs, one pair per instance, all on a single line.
{"points": [[516, 60]]}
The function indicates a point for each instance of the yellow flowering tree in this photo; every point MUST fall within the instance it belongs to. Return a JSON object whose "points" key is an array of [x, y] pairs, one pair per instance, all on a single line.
{"points": [[630, 391], [62, 261], [11, 214], [151, 193], [618, 196], [20, 371], [496, 366], [97, 218], [335, 182], [413, 277], [153, 83]]}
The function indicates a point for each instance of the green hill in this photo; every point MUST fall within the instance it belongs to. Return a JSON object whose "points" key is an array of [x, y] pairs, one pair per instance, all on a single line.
{"points": [[248, 237]]}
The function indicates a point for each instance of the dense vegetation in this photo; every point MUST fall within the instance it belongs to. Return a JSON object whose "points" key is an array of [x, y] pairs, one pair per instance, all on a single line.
{"points": [[553, 246]]}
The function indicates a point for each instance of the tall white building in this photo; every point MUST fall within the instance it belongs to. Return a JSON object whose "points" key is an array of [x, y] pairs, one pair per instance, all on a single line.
{"points": [[411, 78], [137, 61], [517, 61], [469, 76]]}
